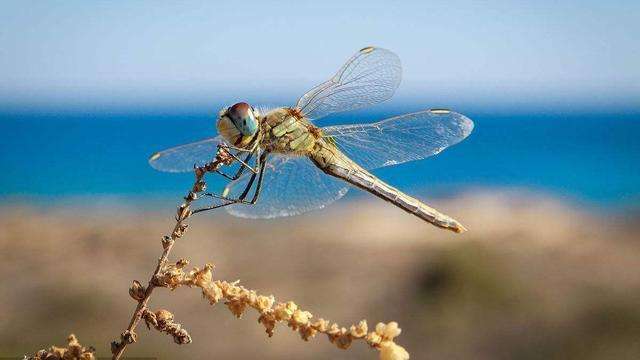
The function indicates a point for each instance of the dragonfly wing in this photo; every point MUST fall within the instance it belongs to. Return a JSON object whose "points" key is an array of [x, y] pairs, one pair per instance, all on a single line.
{"points": [[400, 139], [291, 186], [369, 77], [182, 158]]}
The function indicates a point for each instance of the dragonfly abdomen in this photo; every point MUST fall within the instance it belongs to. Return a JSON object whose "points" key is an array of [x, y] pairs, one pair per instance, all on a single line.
{"points": [[333, 162]]}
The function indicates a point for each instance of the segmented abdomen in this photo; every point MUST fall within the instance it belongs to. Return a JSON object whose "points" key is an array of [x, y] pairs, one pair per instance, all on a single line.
{"points": [[333, 162]]}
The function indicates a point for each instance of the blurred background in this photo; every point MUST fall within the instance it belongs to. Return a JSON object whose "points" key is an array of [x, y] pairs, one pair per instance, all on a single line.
{"points": [[547, 183]]}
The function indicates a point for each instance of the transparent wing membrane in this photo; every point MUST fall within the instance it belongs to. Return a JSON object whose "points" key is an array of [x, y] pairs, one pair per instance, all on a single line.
{"points": [[400, 139], [371, 76], [182, 158], [291, 186]]}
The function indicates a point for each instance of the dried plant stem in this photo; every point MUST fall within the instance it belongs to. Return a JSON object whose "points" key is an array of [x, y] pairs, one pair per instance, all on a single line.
{"points": [[237, 298], [143, 295]]}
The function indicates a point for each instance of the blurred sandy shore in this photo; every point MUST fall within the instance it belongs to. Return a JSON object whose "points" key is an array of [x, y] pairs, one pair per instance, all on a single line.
{"points": [[532, 279]]}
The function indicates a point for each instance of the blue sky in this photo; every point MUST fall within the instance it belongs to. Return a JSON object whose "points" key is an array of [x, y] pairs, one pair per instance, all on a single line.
{"points": [[189, 54]]}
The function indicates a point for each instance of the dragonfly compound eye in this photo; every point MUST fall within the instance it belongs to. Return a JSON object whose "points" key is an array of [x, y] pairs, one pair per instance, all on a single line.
{"points": [[241, 114]]}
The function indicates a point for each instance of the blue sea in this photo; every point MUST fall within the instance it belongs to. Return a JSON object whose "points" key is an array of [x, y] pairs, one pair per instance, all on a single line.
{"points": [[590, 159]]}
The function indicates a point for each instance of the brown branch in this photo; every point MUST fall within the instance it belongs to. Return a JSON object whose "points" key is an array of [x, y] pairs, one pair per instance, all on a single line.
{"points": [[237, 298], [143, 295]]}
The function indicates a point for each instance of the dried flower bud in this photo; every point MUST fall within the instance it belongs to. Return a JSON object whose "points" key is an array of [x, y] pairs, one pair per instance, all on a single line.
{"points": [[164, 316], [191, 196], [182, 337], [162, 320], [149, 319], [388, 331], [236, 307], [343, 341], [183, 212], [339, 336], [321, 325], [373, 339], [233, 291], [129, 337], [264, 303], [200, 186], [250, 297], [284, 311], [269, 322], [307, 332], [202, 278], [212, 292], [166, 242], [180, 264], [392, 351], [301, 317], [224, 156], [334, 329], [360, 330], [136, 291]]}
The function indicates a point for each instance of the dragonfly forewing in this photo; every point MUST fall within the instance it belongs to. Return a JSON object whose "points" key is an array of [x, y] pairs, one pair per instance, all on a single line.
{"points": [[183, 158]]}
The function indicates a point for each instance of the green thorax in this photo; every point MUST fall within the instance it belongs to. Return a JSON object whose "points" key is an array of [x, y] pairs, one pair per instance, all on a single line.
{"points": [[288, 132]]}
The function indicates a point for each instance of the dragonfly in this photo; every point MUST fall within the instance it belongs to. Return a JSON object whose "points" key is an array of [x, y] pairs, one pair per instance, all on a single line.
{"points": [[288, 165]]}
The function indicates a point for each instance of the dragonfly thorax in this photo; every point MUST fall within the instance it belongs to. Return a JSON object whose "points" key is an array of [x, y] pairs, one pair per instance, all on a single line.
{"points": [[287, 131]]}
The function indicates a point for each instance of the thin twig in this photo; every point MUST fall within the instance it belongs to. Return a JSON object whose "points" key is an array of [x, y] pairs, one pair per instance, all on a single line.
{"points": [[237, 298], [184, 212]]}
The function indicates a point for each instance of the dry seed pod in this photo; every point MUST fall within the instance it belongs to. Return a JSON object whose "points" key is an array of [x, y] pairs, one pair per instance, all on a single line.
{"points": [[164, 316], [183, 212], [136, 291]]}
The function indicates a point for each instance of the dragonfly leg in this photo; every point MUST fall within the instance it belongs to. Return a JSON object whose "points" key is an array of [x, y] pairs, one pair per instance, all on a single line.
{"points": [[244, 164], [213, 207], [256, 194], [241, 199], [229, 201], [238, 149], [222, 197], [248, 187]]}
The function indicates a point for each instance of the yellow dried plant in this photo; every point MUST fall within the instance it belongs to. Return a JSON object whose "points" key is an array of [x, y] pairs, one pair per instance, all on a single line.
{"points": [[73, 351], [237, 298]]}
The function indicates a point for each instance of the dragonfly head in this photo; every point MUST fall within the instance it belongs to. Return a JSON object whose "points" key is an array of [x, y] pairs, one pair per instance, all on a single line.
{"points": [[237, 122]]}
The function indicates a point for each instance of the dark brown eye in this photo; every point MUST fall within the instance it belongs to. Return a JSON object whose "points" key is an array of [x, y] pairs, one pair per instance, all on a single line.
{"points": [[239, 110]]}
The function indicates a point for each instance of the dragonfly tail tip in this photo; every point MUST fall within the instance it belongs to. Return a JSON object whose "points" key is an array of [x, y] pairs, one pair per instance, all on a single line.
{"points": [[458, 228]]}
